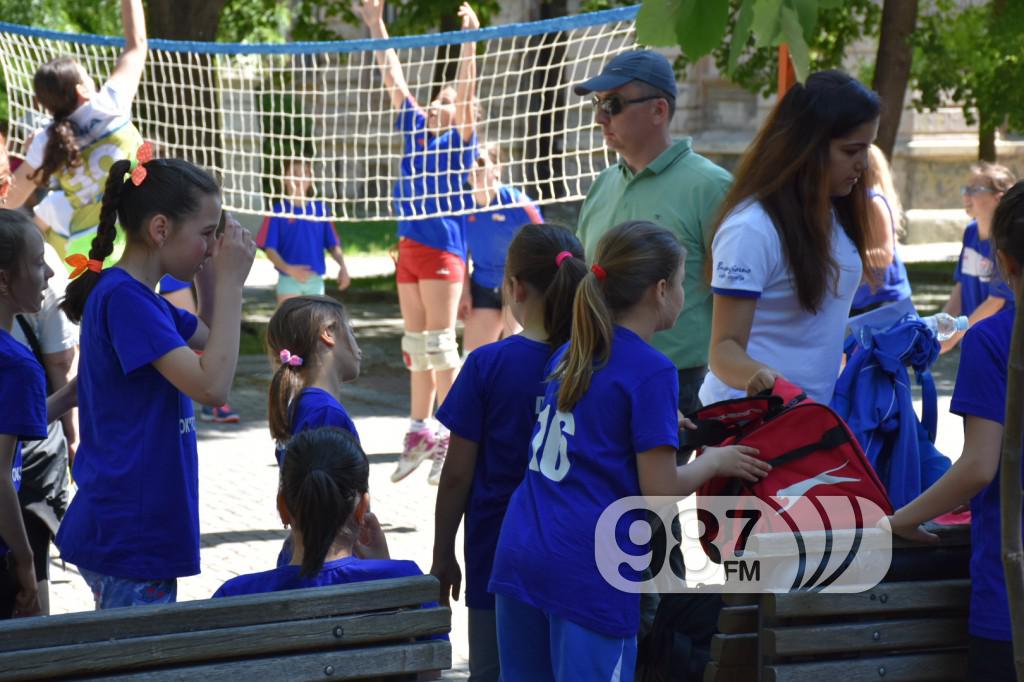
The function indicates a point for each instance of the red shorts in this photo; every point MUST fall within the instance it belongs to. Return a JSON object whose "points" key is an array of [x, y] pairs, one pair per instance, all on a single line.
{"points": [[417, 261]]}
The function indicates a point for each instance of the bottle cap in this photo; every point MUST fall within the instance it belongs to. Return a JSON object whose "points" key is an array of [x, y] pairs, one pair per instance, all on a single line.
{"points": [[962, 323]]}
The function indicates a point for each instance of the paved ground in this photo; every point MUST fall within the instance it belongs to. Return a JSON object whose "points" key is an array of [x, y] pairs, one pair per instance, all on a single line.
{"points": [[241, 532]]}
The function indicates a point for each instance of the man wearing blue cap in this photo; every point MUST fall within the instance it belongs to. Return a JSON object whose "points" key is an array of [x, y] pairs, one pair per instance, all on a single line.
{"points": [[661, 180]]}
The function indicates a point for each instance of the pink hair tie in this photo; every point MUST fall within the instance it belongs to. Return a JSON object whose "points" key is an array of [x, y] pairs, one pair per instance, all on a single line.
{"points": [[599, 272], [560, 258], [288, 359]]}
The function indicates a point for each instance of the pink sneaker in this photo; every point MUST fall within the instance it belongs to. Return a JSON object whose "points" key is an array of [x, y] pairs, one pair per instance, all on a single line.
{"points": [[438, 455], [417, 447]]}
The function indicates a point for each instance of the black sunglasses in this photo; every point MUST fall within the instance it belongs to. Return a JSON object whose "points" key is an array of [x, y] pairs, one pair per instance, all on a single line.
{"points": [[614, 104]]}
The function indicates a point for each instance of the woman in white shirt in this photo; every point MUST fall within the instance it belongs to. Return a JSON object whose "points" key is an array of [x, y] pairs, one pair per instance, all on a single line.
{"points": [[788, 254]]}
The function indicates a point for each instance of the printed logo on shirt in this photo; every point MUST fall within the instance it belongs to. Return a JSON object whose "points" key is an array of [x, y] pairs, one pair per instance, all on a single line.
{"points": [[16, 476], [472, 218], [498, 218], [732, 273], [976, 265], [187, 425]]}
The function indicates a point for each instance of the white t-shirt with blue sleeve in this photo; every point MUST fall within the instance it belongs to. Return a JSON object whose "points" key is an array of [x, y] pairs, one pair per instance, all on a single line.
{"points": [[136, 512], [580, 463], [807, 348]]}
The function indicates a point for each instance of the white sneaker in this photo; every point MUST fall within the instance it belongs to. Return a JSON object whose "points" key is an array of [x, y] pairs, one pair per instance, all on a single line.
{"points": [[417, 447], [438, 455]]}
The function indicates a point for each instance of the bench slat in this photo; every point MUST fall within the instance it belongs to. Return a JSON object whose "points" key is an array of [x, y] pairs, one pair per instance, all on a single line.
{"points": [[223, 643], [897, 597], [854, 637], [734, 648], [342, 665], [209, 614], [915, 667], [734, 620]]}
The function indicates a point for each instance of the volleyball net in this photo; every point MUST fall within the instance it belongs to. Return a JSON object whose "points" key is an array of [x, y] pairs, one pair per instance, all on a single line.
{"points": [[247, 112]]}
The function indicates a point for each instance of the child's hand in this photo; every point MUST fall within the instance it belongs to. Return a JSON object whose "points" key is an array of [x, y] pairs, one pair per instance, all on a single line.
{"points": [[465, 303], [300, 273], [738, 461], [913, 533], [371, 544], [762, 380], [26, 602], [372, 11], [468, 16], [448, 572], [343, 279], [233, 253], [684, 422]]}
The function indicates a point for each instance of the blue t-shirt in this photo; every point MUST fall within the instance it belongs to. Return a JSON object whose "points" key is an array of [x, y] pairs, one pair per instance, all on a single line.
{"points": [[977, 273], [136, 512], [433, 174], [580, 463], [895, 284], [339, 572], [315, 408], [170, 284], [494, 402], [298, 239], [980, 391], [22, 401], [489, 232]]}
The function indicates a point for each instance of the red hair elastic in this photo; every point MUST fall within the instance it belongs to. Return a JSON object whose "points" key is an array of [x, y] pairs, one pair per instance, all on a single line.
{"points": [[598, 272]]}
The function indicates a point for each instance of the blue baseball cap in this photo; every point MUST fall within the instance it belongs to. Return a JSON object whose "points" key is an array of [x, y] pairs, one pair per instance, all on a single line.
{"points": [[635, 65]]}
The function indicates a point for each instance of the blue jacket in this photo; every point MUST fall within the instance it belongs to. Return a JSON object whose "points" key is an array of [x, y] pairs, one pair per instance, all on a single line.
{"points": [[873, 395]]}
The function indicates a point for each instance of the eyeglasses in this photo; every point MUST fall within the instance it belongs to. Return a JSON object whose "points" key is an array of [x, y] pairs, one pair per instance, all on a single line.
{"points": [[971, 190], [613, 104]]}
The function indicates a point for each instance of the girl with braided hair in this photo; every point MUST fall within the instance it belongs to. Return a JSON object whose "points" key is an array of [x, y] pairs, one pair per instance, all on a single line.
{"points": [[133, 526], [90, 129]]}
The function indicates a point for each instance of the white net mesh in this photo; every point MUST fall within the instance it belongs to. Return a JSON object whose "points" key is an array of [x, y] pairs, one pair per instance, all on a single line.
{"points": [[243, 111]]}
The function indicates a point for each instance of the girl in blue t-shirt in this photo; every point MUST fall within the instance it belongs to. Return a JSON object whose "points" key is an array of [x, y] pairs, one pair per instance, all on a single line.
{"points": [[133, 526], [312, 339], [438, 149], [980, 398], [491, 410], [608, 428], [324, 498], [23, 276]]}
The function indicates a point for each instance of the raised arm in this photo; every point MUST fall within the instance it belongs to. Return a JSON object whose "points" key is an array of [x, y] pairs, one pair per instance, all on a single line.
{"points": [[372, 12], [128, 72], [465, 83]]}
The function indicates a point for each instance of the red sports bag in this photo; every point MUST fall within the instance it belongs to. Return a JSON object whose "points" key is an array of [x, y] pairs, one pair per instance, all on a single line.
{"points": [[812, 452]]}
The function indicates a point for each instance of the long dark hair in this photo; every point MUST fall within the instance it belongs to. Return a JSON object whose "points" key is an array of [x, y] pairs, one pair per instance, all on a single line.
{"points": [[786, 169], [1008, 224], [633, 256], [14, 226], [55, 84], [533, 259], [172, 187], [324, 475], [296, 327]]}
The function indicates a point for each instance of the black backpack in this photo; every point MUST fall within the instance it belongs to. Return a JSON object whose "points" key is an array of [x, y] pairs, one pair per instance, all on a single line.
{"points": [[678, 647]]}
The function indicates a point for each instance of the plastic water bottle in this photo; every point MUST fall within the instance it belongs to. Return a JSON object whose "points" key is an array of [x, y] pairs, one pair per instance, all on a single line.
{"points": [[945, 325]]}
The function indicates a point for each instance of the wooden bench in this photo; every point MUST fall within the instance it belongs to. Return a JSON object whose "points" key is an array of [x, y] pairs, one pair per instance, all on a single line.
{"points": [[342, 632], [902, 629]]}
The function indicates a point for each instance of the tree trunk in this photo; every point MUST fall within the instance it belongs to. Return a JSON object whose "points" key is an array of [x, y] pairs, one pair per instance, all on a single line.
{"points": [[986, 137], [183, 113], [892, 67], [545, 140], [1010, 485]]}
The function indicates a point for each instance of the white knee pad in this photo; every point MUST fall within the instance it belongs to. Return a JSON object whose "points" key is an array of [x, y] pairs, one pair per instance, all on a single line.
{"points": [[442, 349], [414, 352]]}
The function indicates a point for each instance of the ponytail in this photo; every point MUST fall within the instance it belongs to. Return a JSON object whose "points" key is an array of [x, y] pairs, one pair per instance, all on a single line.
{"points": [[535, 258], [296, 327], [630, 259], [324, 475], [55, 86], [172, 188], [102, 244]]}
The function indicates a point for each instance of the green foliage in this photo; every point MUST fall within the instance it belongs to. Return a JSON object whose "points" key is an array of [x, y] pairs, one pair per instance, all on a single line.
{"points": [[972, 55], [743, 35]]}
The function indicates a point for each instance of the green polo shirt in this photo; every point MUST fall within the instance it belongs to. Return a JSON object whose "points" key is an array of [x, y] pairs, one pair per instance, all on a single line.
{"points": [[681, 191]]}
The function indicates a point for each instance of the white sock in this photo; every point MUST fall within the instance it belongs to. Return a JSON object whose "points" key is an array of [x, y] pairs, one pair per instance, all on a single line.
{"points": [[416, 425], [442, 430]]}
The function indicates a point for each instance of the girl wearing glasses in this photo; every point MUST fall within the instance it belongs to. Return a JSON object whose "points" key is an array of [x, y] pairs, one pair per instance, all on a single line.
{"points": [[788, 254], [979, 291], [439, 148]]}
